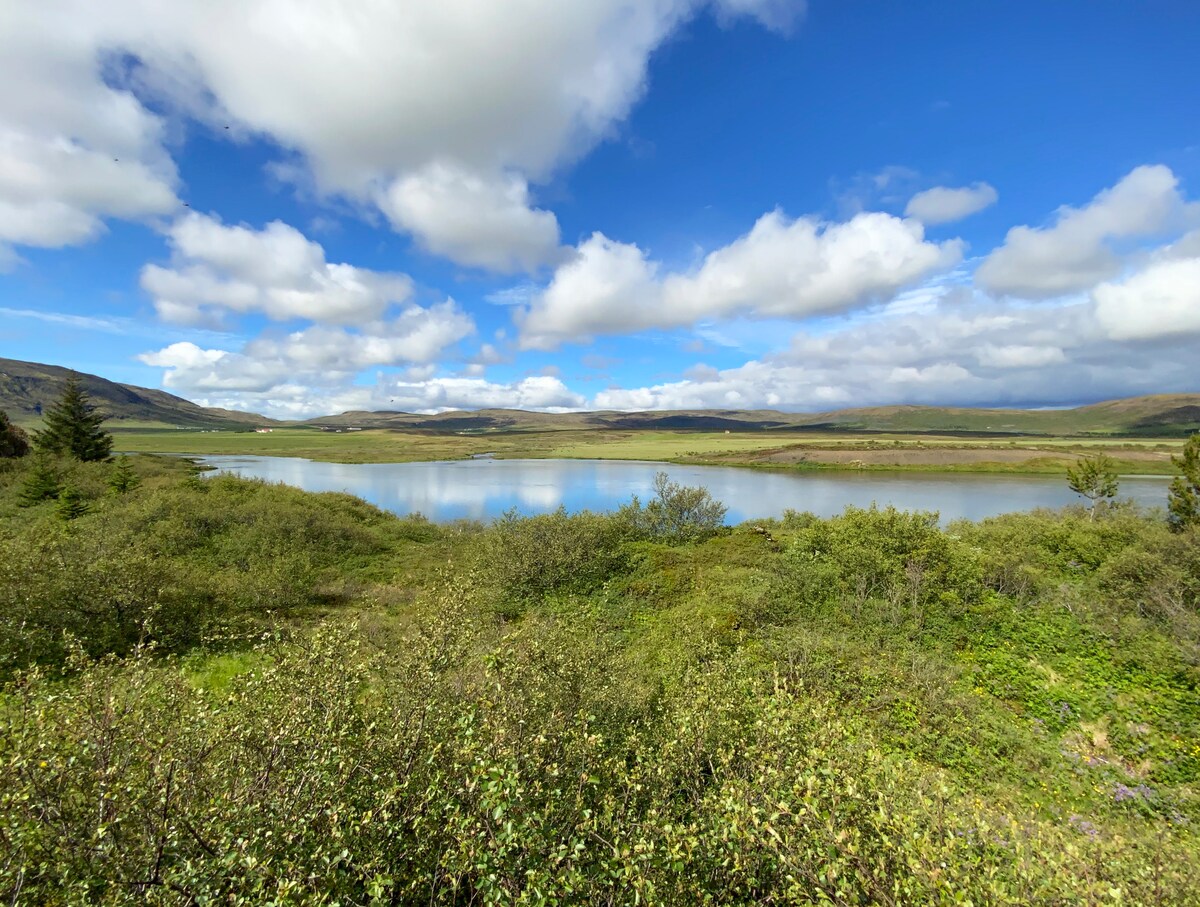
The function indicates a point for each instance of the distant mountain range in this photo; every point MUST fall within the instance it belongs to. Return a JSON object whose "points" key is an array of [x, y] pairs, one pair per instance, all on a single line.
{"points": [[1160, 415], [26, 388]]}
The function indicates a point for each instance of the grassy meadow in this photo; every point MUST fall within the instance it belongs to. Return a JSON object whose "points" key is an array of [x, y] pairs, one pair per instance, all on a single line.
{"points": [[221, 691], [787, 450]]}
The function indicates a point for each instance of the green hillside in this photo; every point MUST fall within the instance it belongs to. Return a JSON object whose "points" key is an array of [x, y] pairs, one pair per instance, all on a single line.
{"points": [[1160, 415], [26, 388]]}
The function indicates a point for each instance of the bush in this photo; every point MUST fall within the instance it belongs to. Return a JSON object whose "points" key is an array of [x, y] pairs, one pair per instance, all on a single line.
{"points": [[522, 559], [677, 514], [887, 556], [172, 564], [328, 774], [13, 440]]}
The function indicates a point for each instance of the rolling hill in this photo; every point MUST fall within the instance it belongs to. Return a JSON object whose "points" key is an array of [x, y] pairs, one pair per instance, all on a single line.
{"points": [[1162, 415], [26, 388]]}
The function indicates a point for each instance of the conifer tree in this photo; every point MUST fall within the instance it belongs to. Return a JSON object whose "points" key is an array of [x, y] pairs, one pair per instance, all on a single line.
{"points": [[1184, 501], [73, 427], [71, 505], [41, 482], [123, 478], [13, 441]]}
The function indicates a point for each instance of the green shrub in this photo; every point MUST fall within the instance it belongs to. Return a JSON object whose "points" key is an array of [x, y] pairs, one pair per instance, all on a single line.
{"points": [[326, 773], [13, 440], [523, 559], [677, 514], [890, 556]]}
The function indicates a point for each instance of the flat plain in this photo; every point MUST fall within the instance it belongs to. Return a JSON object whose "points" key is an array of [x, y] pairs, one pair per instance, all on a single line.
{"points": [[783, 450]]}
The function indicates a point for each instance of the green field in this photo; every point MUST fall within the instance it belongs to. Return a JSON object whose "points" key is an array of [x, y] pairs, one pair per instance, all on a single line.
{"points": [[761, 449]]}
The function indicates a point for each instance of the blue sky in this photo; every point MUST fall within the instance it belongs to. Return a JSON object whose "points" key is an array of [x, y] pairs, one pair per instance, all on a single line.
{"points": [[302, 208]]}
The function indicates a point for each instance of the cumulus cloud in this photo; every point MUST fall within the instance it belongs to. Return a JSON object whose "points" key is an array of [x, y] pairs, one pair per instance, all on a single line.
{"points": [[1161, 300], [400, 394], [968, 350], [782, 268], [1080, 249], [941, 205], [471, 220], [316, 355], [217, 268], [73, 150], [365, 99]]}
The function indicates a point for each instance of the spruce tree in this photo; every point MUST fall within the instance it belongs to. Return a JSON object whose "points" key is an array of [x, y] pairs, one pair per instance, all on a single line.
{"points": [[123, 478], [1184, 499], [41, 482], [71, 505], [73, 427], [13, 441]]}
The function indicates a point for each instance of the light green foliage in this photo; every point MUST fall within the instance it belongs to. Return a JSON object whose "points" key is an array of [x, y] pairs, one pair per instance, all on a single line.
{"points": [[869, 709], [72, 427], [525, 559], [13, 440], [1184, 499], [329, 773], [124, 478], [677, 513], [218, 556], [1095, 478]]}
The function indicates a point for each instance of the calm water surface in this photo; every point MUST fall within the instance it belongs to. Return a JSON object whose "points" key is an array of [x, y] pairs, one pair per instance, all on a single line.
{"points": [[484, 488]]}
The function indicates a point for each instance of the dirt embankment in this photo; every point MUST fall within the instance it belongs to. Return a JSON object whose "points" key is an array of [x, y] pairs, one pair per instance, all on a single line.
{"points": [[941, 457]]}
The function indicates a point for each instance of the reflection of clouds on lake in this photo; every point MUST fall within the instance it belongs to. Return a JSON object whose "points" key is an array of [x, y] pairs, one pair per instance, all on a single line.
{"points": [[485, 489]]}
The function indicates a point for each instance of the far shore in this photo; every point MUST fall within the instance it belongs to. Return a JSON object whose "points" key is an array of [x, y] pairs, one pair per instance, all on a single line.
{"points": [[762, 450]]}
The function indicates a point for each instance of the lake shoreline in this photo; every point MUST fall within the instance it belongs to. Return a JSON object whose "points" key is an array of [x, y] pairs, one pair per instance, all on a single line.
{"points": [[486, 488], [1125, 469]]}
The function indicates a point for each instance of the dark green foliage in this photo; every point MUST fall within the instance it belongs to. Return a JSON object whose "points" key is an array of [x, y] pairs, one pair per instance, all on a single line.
{"points": [[41, 483], [13, 440], [1184, 501], [71, 505], [124, 479], [73, 427], [677, 514], [1095, 478]]}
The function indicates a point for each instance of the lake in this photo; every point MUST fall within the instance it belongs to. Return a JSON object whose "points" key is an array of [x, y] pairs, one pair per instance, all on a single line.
{"points": [[484, 488]]}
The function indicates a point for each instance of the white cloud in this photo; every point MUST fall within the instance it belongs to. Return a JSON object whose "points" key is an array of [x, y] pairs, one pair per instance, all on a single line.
{"points": [[365, 96], [399, 394], [782, 268], [941, 205], [779, 15], [1079, 250], [1162, 300], [472, 220], [318, 355], [73, 150], [537, 392], [967, 351], [277, 271], [1019, 355]]}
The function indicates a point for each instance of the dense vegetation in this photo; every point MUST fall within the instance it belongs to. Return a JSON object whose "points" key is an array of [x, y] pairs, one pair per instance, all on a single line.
{"points": [[221, 691]]}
